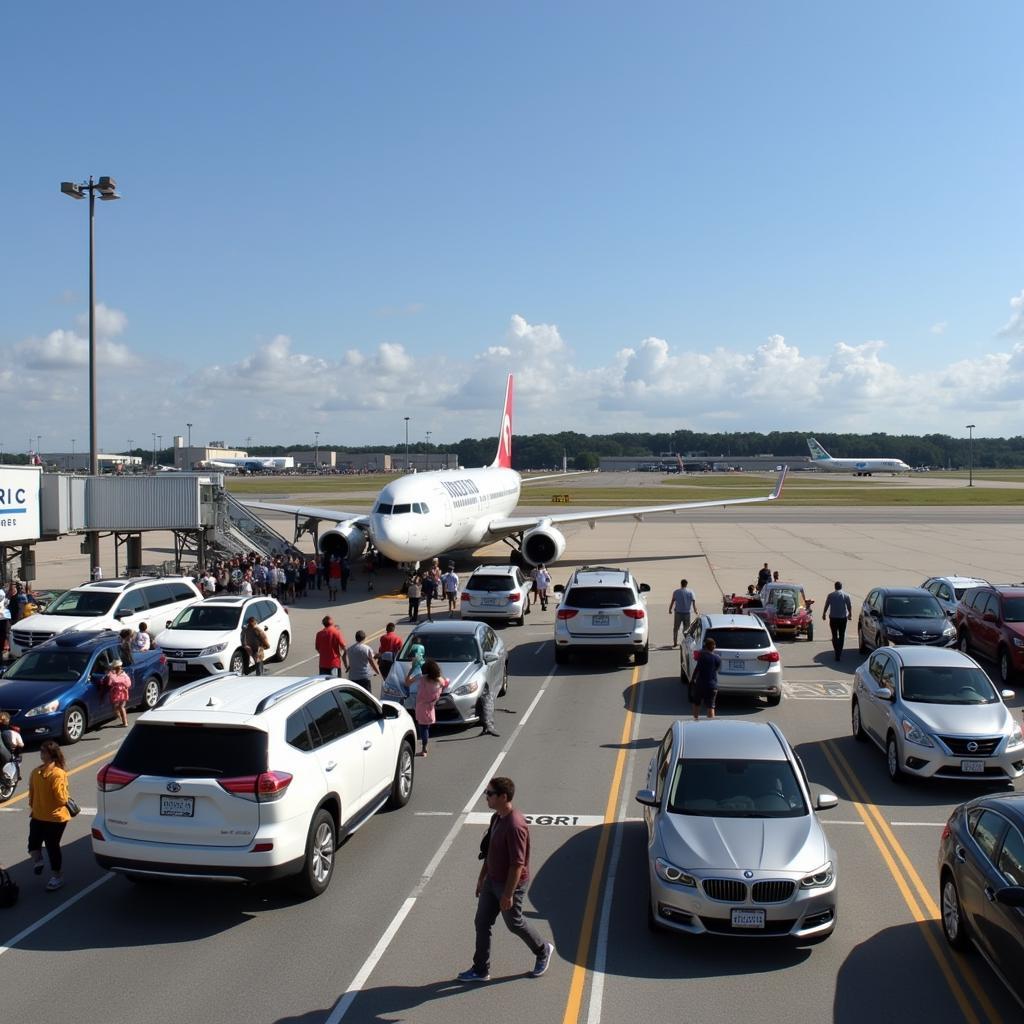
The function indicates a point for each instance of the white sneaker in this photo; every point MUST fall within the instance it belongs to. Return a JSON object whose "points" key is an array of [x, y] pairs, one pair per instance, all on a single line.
{"points": [[54, 884]]}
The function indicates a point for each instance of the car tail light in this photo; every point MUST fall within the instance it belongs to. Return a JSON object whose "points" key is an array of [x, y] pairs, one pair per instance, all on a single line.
{"points": [[514, 596], [771, 656], [263, 847], [163, 659], [634, 613], [97, 834], [466, 597], [262, 788], [946, 833], [566, 613], [110, 779]]}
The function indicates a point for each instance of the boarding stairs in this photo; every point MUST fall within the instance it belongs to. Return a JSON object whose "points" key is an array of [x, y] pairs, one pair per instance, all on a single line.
{"points": [[237, 531]]}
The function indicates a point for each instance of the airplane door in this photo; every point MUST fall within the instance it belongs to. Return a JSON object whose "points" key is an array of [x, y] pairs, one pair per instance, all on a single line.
{"points": [[447, 509]]}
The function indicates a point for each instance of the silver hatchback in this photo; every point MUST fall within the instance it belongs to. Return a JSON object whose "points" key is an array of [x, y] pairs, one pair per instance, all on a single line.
{"points": [[734, 846], [750, 660]]}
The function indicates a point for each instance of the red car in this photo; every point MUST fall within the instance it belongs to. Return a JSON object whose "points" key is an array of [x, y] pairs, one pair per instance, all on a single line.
{"points": [[785, 610], [990, 622]]}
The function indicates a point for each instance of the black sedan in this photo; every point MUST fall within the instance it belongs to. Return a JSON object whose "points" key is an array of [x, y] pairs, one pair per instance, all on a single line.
{"points": [[903, 615], [981, 883]]}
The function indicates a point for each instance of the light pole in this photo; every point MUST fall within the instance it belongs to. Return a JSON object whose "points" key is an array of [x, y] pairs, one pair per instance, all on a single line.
{"points": [[188, 456], [72, 455], [107, 189], [427, 466], [130, 452], [970, 455], [316, 450], [153, 460], [39, 446], [407, 444]]}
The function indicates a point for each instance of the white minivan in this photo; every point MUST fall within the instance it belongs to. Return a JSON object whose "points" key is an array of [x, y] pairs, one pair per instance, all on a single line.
{"points": [[108, 604]]}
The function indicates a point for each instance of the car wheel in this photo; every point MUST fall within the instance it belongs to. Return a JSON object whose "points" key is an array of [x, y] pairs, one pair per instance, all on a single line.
{"points": [[892, 759], [774, 700], [237, 662], [401, 787], [151, 693], [561, 656], [861, 646], [318, 867], [521, 621], [855, 722], [74, 724], [643, 655], [954, 927], [880, 640], [810, 631], [964, 642], [283, 647], [504, 682], [1006, 670]]}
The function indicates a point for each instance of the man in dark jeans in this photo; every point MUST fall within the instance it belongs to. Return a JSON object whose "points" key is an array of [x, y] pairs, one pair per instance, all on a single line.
{"points": [[501, 884], [839, 611]]}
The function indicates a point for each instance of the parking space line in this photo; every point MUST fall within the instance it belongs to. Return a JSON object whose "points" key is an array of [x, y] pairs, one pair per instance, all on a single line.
{"points": [[876, 826], [25, 932]]}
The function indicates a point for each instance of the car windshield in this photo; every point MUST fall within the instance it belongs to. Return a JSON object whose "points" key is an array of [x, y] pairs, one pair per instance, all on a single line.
{"points": [[736, 788], [600, 597], [49, 666], [961, 684], [491, 584], [740, 639], [913, 606], [441, 647], [1013, 609], [82, 603], [208, 617]]}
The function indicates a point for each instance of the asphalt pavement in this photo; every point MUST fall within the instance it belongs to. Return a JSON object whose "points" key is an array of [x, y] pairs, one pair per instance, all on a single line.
{"points": [[388, 938]]}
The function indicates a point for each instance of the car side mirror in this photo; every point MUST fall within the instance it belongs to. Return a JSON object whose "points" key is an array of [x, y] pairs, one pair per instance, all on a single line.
{"points": [[826, 801], [875, 613], [559, 589], [1011, 896], [884, 693], [646, 797], [645, 588], [390, 711], [490, 658], [1007, 694]]}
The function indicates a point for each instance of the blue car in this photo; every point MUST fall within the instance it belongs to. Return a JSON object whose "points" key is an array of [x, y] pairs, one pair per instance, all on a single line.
{"points": [[53, 691]]}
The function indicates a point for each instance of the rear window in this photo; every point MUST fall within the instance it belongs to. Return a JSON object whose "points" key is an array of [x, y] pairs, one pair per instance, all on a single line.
{"points": [[491, 584], [600, 597], [192, 751], [740, 639]]}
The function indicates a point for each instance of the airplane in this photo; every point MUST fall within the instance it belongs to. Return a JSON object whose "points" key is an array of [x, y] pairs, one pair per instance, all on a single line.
{"points": [[821, 459], [421, 515], [251, 463]]}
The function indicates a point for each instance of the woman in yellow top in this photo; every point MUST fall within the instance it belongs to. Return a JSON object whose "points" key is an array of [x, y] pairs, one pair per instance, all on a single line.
{"points": [[47, 800]]}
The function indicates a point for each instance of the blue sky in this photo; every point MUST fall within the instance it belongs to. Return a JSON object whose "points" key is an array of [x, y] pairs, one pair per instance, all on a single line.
{"points": [[714, 216]]}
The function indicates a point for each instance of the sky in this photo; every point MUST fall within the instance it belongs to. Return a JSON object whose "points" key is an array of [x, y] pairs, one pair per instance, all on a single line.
{"points": [[708, 216]]}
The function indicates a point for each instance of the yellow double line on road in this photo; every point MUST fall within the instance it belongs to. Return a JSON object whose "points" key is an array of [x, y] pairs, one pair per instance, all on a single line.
{"points": [[915, 893], [579, 972]]}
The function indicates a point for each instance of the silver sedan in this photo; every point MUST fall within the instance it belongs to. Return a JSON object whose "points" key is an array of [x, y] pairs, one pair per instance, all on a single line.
{"points": [[472, 657], [734, 846]]}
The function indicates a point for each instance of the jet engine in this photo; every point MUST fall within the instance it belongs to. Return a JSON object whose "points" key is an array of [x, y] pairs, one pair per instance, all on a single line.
{"points": [[346, 540], [542, 545]]}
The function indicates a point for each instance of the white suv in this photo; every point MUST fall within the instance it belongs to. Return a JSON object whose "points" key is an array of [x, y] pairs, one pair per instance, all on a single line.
{"points": [[206, 637], [602, 609], [496, 592], [251, 778], [108, 604]]}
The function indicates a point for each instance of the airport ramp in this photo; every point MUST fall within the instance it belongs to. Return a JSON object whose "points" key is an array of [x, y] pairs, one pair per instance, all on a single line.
{"points": [[238, 531]]}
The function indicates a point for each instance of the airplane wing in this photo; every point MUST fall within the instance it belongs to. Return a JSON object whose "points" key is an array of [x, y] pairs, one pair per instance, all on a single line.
{"points": [[499, 528], [553, 476], [333, 515]]}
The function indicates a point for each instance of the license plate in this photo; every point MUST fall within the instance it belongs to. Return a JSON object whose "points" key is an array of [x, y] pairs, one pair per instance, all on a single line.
{"points": [[492, 602], [973, 766], [748, 918], [737, 665], [178, 806], [179, 666], [600, 620]]}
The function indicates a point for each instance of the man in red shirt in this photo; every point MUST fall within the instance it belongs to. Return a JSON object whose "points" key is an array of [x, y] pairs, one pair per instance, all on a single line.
{"points": [[501, 885], [330, 646], [390, 645]]}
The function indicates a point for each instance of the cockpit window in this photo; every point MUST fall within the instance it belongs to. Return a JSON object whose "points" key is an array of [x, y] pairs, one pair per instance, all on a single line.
{"points": [[424, 508], [400, 509], [416, 507], [383, 509]]}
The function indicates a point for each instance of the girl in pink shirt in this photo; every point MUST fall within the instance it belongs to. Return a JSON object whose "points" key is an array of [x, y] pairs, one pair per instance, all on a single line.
{"points": [[430, 684]]}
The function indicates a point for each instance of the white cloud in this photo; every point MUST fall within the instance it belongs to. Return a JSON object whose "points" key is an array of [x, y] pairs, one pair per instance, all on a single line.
{"points": [[939, 328], [1014, 327]]}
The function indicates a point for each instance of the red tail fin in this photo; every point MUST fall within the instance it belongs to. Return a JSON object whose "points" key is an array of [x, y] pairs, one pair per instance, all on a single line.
{"points": [[504, 456]]}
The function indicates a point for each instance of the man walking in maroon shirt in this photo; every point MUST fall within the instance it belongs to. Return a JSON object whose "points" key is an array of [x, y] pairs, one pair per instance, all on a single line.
{"points": [[501, 884]]}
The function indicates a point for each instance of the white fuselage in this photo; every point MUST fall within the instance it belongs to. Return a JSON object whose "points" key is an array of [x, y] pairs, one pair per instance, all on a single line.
{"points": [[416, 517], [861, 466]]}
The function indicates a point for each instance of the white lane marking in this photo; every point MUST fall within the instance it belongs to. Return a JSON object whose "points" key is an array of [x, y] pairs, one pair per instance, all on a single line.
{"points": [[898, 824], [540, 647], [11, 943], [10, 810], [432, 814], [817, 691], [565, 820], [342, 1006], [601, 950]]}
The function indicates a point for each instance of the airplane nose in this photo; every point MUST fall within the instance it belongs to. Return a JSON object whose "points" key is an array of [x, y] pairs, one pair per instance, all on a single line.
{"points": [[391, 537]]}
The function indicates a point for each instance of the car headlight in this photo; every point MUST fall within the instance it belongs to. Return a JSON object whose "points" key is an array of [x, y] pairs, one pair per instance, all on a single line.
{"points": [[893, 631], [44, 709], [215, 649], [392, 689], [1016, 739], [950, 630], [1018, 641], [913, 733], [668, 872], [466, 688], [820, 878]]}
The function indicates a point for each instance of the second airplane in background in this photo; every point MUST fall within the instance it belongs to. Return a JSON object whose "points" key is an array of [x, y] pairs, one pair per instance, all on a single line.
{"points": [[422, 515], [820, 459]]}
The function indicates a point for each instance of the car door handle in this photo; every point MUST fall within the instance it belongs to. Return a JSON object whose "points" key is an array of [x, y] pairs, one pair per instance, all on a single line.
{"points": [[367, 744], [990, 894], [960, 855], [330, 766]]}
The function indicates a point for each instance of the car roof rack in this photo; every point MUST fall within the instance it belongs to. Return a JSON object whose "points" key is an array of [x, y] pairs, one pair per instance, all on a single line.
{"points": [[286, 691]]}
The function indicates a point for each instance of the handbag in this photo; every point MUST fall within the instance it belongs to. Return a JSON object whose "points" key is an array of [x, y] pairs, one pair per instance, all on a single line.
{"points": [[9, 889], [73, 807]]}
